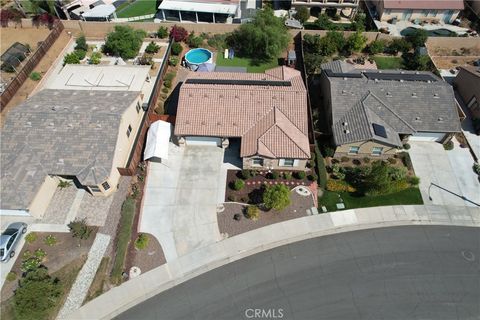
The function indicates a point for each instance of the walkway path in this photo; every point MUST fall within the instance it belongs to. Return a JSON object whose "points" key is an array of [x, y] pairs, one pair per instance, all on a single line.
{"points": [[220, 253], [85, 277]]}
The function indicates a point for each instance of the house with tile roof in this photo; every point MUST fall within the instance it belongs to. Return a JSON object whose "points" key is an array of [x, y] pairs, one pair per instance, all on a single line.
{"points": [[467, 83], [373, 112], [266, 111]]}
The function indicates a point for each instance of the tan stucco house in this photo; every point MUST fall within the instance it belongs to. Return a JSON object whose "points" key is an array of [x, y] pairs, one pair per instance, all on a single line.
{"points": [[467, 83], [373, 112], [77, 135], [444, 11], [266, 111]]}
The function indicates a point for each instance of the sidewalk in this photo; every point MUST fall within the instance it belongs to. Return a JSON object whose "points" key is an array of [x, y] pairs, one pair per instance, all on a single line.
{"points": [[217, 254]]}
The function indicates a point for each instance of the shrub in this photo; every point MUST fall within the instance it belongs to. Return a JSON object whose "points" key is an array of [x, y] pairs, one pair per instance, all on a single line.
{"points": [[35, 76], [366, 160], [276, 197], [71, 58], [448, 146], [355, 42], [252, 212], [152, 48], [399, 45], [142, 241], [27, 254], [407, 162], [328, 152], [167, 84], [173, 61], [194, 41], [217, 41], [338, 172], [30, 264], [397, 173], [165, 90], [11, 276], [303, 14], [417, 38], [40, 254], [95, 58], [476, 168], [392, 160], [414, 181], [246, 174], [124, 41], [81, 43], [176, 48], [312, 177], [287, 175], [31, 237], [321, 169], [50, 240], [339, 186], [80, 54], [178, 33], [64, 184], [162, 32], [145, 60], [300, 175], [356, 162], [376, 47], [37, 295], [238, 184], [274, 175], [406, 146], [79, 229], [344, 159], [170, 76]]}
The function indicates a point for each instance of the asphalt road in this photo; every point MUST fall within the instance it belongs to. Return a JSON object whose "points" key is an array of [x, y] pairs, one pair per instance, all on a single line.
{"points": [[415, 272]]}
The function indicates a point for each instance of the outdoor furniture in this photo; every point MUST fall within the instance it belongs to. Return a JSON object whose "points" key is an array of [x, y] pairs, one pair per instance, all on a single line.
{"points": [[340, 206]]}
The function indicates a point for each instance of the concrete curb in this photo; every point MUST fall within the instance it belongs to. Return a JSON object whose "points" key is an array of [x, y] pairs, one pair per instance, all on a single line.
{"points": [[218, 254]]}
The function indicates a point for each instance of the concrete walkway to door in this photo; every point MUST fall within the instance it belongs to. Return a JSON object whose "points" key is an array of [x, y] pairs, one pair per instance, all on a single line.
{"points": [[180, 201]]}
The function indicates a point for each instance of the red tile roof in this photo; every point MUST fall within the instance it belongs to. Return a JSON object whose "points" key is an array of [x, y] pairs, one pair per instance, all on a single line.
{"points": [[271, 120], [424, 4]]}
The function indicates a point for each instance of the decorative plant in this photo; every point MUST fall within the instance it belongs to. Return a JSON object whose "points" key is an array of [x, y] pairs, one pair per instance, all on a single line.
{"points": [[11, 276], [50, 240], [31, 237], [238, 184], [40, 254], [79, 229], [276, 197], [252, 212], [142, 241], [300, 175], [64, 184], [152, 48], [35, 76]]}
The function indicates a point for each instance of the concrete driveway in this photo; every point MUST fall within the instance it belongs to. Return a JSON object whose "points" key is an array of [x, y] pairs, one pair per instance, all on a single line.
{"points": [[450, 170], [181, 197]]}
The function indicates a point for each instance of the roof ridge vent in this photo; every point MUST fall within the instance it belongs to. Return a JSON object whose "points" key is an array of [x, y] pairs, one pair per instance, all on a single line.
{"points": [[54, 108], [346, 131], [435, 95], [70, 125], [401, 80], [414, 94], [440, 119], [344, 92], [389, 94], [345, 123], [51, 124], [28, 124]]}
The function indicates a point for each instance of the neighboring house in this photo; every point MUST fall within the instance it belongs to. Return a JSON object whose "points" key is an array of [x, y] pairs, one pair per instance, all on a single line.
{"points": [[267, 111], [445, 11], [75, 8], [373, 112], [213, 11], [347, 7], [81, 127], [467, 83]]}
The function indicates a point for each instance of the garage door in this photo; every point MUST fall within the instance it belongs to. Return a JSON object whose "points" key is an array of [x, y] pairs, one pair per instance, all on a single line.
{"points": [[203, 141], [427, 136]]}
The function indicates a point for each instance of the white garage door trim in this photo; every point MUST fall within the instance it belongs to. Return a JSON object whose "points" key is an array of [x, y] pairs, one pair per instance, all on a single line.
{"points": [[203, 141], [427, 136]]}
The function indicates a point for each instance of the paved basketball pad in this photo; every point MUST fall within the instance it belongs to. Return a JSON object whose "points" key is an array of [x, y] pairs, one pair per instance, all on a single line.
{"points": [[181, 197]]}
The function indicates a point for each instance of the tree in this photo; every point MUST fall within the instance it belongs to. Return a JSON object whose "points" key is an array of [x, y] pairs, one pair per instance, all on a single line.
{"points": [[124, 41], [152, 48], [417, 38], [71, 58], [356, 42], [95, 58], [311, 43], [36, 296], [194, 41], [337, 39], [313, 63], [323, 23], [376, 47], [276, 197], [377, 180], [262, 39], [178, 33], [81, 43], [302, 15], [162, 32], [399, 45], [176, 48], [79, 229], [359, 22]]}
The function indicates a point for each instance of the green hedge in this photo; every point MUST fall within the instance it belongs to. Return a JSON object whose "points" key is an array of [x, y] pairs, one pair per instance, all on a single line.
{"points": [[322, 171], [123, 238]]}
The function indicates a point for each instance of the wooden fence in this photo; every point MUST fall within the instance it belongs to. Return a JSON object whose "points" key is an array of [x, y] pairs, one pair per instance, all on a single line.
{"points": [[31, 63], [148, 117]]}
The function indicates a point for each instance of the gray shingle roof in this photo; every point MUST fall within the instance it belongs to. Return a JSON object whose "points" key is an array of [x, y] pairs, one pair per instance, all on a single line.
{"points": [[401, 106], [59, 132]]}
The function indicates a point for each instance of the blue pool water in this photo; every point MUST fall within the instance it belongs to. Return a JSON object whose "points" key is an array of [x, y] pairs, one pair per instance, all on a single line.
{"points": [[198, 56]]}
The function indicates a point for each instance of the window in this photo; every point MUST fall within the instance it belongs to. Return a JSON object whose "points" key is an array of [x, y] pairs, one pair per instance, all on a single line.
{"points": [[376, 151], [129, 130], [257, 162], [105, 186], [287, 162], [94, 188], [138, 107], [353, 150]]}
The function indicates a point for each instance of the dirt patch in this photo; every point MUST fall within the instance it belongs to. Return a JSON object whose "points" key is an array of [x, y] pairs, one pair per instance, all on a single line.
{"points": [[149, 258], [454, 61], [23, 35], [66, 250], [42, 67], [227, 224]]}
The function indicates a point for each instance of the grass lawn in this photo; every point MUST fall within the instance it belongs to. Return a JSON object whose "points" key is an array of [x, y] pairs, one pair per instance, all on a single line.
{"points": [[404, 197], [245, 62], [137, 8], [123, 238], [388, 62]]}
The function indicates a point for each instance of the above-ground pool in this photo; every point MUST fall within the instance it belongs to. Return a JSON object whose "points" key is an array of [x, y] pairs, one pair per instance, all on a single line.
{"points": [[431, 33], [198, 56]]}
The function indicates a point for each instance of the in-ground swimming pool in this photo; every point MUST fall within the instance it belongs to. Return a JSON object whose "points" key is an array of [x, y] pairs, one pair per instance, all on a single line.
{"points": [[198, 56], [431, 33]]}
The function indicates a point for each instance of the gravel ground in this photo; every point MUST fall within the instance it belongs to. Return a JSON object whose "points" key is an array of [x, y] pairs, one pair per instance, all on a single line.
{"points": [[228, 225], [85, 277]]}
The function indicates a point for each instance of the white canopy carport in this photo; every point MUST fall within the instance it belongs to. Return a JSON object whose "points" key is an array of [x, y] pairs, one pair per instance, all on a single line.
{"points": [[101, 11], [199, 7], [158, 137]]}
